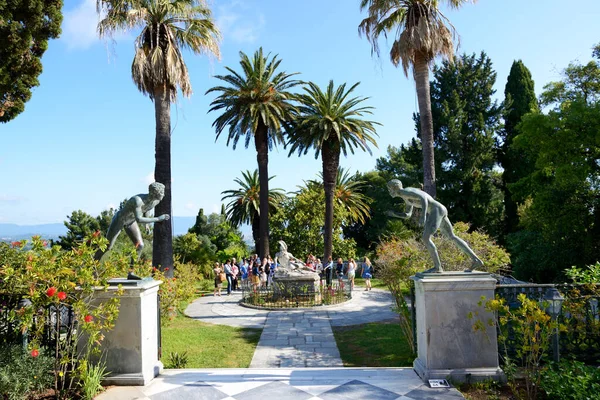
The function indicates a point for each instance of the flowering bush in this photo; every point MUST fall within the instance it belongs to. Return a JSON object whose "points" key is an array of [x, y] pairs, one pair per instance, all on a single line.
{"points": [[53, 282], [176, 291]]}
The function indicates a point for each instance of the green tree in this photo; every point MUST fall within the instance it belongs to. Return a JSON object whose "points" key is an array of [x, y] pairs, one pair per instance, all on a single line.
{"points": [[255, 105], [158, 70], [244, 205], [378, 225], [466, 123], [300, 220], [519, 94], [79, 226], [25, 27], [331, 123], [561, 216], [196, 249], [421, 33], [227, 240]]}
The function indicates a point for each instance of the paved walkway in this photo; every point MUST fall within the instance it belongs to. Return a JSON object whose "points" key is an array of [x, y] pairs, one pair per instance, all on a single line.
{"points": [[285, 384], [295, 338], [292, 344]]}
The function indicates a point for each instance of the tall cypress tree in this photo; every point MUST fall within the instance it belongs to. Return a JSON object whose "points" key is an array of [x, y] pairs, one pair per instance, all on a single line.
{"points": [[519, 100], [466, 120]]}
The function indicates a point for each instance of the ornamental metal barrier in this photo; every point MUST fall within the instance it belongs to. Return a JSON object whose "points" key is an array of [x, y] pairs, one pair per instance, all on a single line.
{"points": [[577, 312], [59, 322], [295, 294]]}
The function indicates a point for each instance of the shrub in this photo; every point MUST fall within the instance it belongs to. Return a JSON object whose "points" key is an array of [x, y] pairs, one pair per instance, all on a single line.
{"points": [[51, 279], [591, 274], [21, 374], [177, 360], [91, 380], [571, 380], [176, 291]]}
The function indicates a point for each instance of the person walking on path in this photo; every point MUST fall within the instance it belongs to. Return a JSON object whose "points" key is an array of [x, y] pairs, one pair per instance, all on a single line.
{"points": [[229, 276], [218, 283], [328, 271], [244, 271], [367, 273], [339, 270], [235, 272], [351, 272]]}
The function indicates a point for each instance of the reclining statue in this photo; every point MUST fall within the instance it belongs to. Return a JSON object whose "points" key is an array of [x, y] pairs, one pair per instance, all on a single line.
{"points": [[434, 216], [288, 263], [137, 210]]}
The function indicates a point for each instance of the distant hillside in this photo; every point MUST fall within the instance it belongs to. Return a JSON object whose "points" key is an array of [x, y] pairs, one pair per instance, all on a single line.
{"points": [[12, 232]]}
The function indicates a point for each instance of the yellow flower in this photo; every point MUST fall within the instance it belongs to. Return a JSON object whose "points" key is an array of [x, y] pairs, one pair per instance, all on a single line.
{"points": [[60, 374]]}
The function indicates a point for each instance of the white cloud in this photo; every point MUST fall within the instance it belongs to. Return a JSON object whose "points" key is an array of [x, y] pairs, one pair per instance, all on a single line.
{"points": [[148, 179], [79, 25], [7, 198], [191, 206], [79, 28], [236, 21]]}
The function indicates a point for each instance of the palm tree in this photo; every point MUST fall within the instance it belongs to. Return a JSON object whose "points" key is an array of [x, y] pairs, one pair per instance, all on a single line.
{"points": [[422, 33], [330, 123], [158, 69], [348, 194], [256, 105], [244, 206]]}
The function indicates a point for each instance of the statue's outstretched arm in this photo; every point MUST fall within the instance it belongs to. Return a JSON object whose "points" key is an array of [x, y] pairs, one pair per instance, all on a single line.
{"points": [[141, 219], [407, 214]]}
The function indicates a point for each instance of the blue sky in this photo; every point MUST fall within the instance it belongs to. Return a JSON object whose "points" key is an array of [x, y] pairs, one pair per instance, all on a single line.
{"points": [[86, 138]]}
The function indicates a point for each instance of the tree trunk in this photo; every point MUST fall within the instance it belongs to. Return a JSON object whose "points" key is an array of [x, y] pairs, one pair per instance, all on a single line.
{"points": [[262, 156], [421, 75], [256, 230], [330, 154], [162, 245]]}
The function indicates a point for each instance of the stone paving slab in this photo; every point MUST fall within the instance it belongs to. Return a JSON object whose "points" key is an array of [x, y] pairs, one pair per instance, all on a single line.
{"points": [[285, 384]]}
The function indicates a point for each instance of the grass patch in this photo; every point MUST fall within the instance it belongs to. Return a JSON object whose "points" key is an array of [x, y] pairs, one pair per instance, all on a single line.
{"points": [[379, 344], [375, 283], [207, 345]]}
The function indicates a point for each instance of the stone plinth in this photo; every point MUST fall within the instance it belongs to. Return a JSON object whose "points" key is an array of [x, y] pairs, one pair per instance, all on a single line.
{"points": [[130, 350], [447, 346]]}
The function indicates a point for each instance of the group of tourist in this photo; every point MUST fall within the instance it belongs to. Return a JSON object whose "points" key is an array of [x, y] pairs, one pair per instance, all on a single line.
{"points": [[250, 270], [259, 274]]}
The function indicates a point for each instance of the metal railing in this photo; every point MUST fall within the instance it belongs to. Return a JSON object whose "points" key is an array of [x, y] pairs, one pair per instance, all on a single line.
{"points": [[579, 315], [290, 295]]}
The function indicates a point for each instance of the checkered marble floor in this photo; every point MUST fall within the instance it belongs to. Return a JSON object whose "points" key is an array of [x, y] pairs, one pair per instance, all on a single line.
{"points": [[284, 384]]}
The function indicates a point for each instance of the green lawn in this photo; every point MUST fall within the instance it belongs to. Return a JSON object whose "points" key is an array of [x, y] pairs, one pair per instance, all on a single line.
{"points": [[377, 344], [207, 345], [375, 283]]}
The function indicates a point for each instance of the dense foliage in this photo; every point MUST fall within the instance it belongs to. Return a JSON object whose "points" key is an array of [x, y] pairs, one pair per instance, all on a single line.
{"points": [[25, 27], [561, 215], [519, 94]]}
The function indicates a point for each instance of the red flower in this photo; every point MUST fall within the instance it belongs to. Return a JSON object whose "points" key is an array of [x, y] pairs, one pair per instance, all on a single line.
{"points": [[35, 353], [174, 279], [16, 244], [51, 291], [166, 269], [88, 318], [45, 243], [62, 295], [96, 234]]}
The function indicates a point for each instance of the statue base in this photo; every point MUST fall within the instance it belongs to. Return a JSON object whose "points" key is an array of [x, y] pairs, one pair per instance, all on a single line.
{"points": [[447, 346], [305, 283]]}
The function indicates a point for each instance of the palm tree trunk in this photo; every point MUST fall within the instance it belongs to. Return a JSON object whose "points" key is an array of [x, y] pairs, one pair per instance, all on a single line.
{"points": [[162, 245], [421, 75], [256, 230], [330, 155], [262, 156]]}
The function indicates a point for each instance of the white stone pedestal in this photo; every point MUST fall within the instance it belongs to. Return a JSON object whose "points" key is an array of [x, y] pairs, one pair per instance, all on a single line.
{"points": [[447, 346], [130, 350]]}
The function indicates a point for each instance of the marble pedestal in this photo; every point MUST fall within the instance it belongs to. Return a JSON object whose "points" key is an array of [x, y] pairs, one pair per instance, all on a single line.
{"points": [[290, 284], [447, 346], [130, 350]]}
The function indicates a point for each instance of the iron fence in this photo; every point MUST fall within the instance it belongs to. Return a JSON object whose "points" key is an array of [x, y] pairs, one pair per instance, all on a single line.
{"points": [[294, 295], [56, 322], [579, 315]]}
